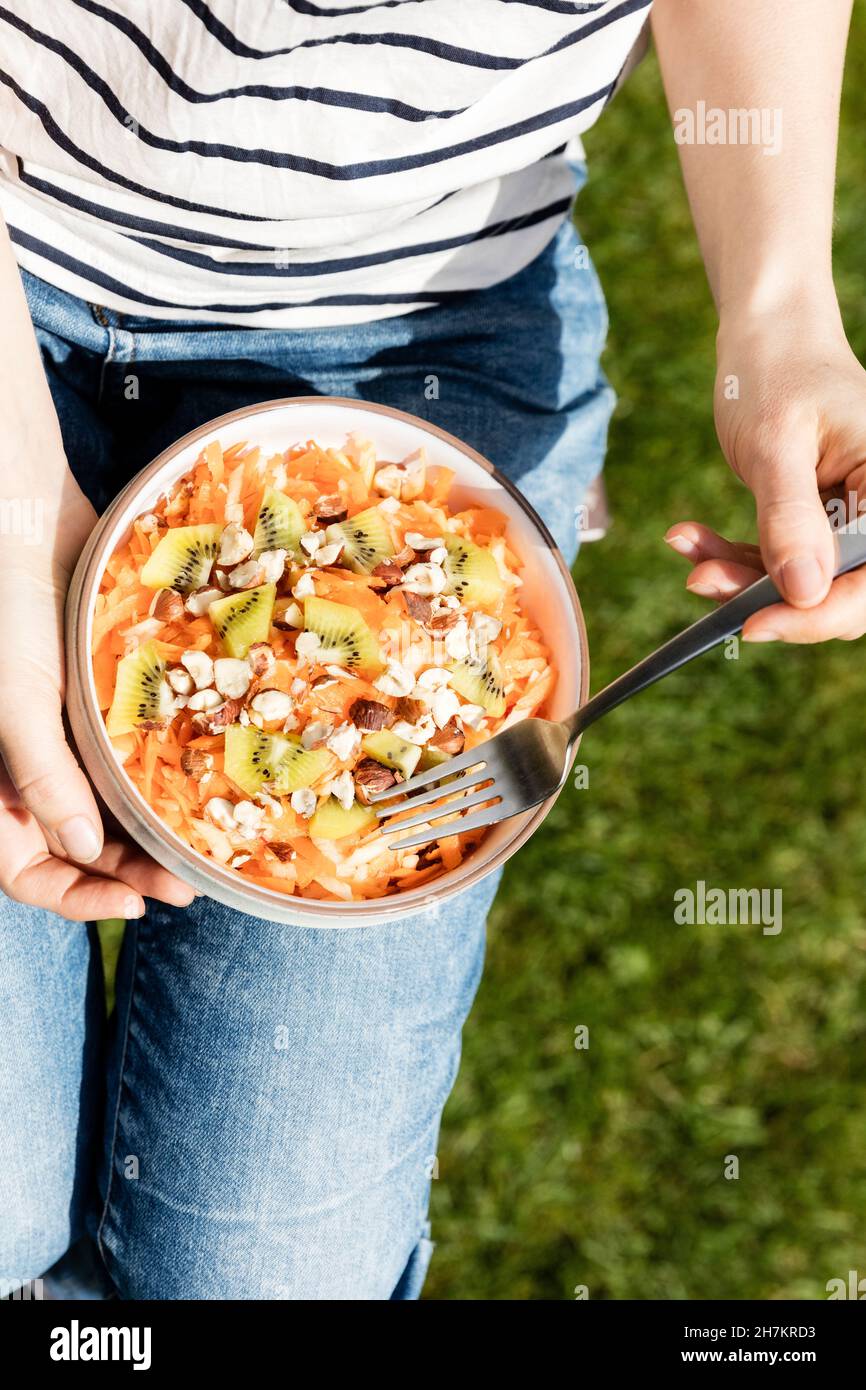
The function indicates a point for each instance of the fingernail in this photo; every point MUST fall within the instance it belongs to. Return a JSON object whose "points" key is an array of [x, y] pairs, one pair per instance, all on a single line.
{"points": [[704, 590], [802, 579], [764, 634], [132, 908], [681, 545], [79, 839]]}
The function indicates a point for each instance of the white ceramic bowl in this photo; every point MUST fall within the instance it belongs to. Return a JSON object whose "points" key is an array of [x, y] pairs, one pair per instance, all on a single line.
{"points": [[548, 595]]}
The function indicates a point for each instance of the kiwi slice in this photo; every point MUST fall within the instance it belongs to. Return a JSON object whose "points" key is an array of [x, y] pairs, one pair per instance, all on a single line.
{"points": [[182, 560], [331, 821], [366, 540], [431, 757], [345, 637], [279, 525], [276, 762], [481, 683], [140, 691], [472, 573], [243, 618], [395, 752]]}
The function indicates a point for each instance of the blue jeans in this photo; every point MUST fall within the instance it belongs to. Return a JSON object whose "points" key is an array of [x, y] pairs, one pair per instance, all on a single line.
{"points": [[259, 1118]]}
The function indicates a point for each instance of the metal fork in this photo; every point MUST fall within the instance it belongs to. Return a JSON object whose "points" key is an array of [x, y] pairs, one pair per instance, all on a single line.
{"points": [[526, 764]]}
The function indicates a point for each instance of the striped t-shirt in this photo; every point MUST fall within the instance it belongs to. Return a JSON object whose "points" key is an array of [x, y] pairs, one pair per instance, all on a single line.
{"points": [[285, 163]]}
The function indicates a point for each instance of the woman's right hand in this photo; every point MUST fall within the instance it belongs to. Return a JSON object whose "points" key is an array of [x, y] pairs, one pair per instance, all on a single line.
{"points": [[53, 851]]}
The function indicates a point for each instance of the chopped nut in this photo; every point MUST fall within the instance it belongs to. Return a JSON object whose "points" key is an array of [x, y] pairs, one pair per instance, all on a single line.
{"points": [[232, 677], [388, 480], [330, 554], [409, 709], [315, 734], [444, 707], [217, 720], [433, 677], [196, 763], [311, 541], [389, 505], [166, 606], [305, 587], [207, 699], [283, 850], [371, 776], [395, 680], [148, 523], [199, 601], [404, 557], [221, 578], [261, 660], [248, 818], [404, 480], [369, 715], [425, 579], [220, 811], [180, 680], [199, 666], [473, 715], [418, 606], [238, 859], [389, 573], [457, 640], [450, 739], [308, 645], [485, 628], [236, 544], [248, 575], [443, 622], [330, 509], [419, 542], [273, 563], [439, 555], [343, 788], [344, 740], [419, 732], [292, 616], [272, 705], [303, 802], [140, 632]]}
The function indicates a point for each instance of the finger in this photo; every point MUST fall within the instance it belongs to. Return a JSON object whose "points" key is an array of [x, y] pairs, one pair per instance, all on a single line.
{"points": [[796, 538], [122, 860], [842, 614], [63, 888], [721, 579], [46, 776], [697, 542]]}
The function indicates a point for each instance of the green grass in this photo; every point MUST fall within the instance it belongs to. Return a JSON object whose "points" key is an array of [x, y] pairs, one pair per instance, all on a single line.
{"points": [[604, 1167]]}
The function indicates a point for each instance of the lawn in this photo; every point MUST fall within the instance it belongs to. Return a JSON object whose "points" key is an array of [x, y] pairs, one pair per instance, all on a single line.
{"points": [[605, 1166]]}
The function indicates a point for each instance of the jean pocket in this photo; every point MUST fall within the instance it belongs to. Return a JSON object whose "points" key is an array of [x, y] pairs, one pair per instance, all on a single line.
{"points": [[411, 1281]]}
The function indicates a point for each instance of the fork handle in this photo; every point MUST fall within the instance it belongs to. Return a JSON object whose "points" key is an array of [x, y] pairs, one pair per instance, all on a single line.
{"points": [[724, 622]]}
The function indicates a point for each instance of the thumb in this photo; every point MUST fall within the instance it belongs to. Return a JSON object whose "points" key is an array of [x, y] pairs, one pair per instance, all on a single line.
{"points": [[46, 775], [796, 539]]}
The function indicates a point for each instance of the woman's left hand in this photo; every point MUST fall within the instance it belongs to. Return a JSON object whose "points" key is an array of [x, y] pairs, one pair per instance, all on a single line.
{"points": [[790, 408]]}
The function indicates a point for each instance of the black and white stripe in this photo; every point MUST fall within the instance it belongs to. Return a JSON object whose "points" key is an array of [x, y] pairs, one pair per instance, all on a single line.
{"points": [[286, 163]]}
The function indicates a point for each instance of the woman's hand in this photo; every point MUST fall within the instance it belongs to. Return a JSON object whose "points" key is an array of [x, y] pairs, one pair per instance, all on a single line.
{"points": [[791, 418], [53, 852]]}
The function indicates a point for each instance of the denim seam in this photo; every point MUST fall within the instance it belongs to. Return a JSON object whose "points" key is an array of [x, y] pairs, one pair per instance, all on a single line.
{"points": [[120, 1083], [102, 319]]}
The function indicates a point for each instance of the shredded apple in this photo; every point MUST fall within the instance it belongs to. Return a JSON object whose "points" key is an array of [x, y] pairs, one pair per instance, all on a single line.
{"points": [[280, 638]]}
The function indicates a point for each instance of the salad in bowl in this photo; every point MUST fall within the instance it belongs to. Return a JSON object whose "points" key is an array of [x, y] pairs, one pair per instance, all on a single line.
{"points": [[281, 633]]}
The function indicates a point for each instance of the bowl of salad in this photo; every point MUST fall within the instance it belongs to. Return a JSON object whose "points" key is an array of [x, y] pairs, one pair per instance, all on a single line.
{"points": [[295, 606]]}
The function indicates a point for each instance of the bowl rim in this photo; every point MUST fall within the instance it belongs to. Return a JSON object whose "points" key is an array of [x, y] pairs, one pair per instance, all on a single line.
{"points": [[88, 727]]}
